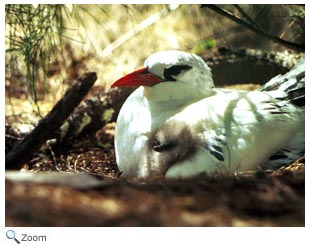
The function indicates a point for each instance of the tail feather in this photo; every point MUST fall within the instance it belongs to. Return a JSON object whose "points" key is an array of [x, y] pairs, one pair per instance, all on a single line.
{"points": [[289, 87]]}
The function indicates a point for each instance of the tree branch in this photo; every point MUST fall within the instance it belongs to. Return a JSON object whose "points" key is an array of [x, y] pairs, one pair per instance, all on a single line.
{"points": [[140, 27], [245, 15], [23, 150], [288, 44]]}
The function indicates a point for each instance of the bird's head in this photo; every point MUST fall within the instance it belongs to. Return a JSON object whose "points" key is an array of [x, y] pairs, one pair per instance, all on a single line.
{"points": [[170, 69]]}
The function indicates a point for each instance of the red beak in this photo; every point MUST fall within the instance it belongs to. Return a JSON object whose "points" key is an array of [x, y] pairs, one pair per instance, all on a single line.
{"points": [[141, 77]]}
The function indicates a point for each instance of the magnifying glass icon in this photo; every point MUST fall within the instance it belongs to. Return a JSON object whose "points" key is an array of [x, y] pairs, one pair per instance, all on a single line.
{"points": [[10, 234]]}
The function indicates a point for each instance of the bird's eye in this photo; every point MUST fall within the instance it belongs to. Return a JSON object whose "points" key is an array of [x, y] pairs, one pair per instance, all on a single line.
{"points": [[175, 70]]}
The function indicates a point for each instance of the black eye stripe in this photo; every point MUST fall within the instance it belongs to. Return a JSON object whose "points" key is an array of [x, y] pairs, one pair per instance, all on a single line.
{"points": [[175, 70]]}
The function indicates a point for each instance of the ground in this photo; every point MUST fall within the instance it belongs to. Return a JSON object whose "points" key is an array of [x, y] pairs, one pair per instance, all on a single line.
{"points": [[254, 199]]}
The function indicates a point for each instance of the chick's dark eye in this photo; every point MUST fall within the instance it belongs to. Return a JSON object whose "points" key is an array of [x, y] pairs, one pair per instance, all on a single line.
{"points": [[175, 70]]}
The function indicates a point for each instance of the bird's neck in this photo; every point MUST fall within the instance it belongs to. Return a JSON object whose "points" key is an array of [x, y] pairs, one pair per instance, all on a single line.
{"points": [[168, 99], [171, 92]]}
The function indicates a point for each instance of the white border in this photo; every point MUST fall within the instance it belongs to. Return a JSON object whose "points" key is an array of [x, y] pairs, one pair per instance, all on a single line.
{"points": [[156, 236]]}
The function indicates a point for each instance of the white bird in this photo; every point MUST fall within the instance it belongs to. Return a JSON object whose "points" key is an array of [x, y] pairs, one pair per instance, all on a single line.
{"points": [[178, 125]]}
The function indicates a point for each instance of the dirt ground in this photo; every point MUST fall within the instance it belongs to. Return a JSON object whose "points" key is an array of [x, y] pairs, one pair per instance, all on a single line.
{"points": [[256, 199]]}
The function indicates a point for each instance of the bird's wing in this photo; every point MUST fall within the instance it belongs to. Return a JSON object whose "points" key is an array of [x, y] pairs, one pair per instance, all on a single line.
{"points": [[238, 130]]}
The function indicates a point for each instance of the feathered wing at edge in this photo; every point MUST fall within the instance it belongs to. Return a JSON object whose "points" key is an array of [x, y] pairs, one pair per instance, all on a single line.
{"points": [[290, 86]]}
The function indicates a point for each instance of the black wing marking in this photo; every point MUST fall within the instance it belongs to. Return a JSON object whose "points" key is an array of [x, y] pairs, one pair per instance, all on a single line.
{"points": [[283, 157], [215, 151]]}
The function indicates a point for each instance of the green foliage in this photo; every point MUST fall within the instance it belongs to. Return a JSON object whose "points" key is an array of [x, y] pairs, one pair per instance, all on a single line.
{"points": [[34, 35], [206, 44]]}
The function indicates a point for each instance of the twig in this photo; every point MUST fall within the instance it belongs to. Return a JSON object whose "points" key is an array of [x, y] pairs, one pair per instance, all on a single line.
{"points": [[48, 143], [288, 44], [23, 150], [140, 27], [289, 26]]}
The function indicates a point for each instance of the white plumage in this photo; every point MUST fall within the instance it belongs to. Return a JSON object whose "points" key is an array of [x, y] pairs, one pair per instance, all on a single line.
{"points": [[178, 125]]}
